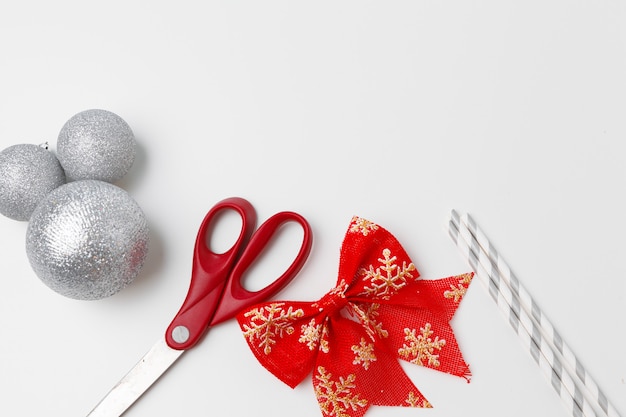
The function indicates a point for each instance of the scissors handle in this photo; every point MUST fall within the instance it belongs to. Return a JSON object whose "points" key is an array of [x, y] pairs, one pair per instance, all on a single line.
{"points": [[235, 297], [216, 292]]}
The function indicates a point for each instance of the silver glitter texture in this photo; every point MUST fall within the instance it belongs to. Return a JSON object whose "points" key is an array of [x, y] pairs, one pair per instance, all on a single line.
{"points": [[27, 174], [87, 240], [96, 145]]}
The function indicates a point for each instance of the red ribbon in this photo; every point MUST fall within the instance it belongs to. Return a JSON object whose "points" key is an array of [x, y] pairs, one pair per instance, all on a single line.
{"points": [[351, 338]]}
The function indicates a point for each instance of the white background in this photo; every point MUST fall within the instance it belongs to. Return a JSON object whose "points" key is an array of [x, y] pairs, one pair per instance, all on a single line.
{"points": [[394, 111]]}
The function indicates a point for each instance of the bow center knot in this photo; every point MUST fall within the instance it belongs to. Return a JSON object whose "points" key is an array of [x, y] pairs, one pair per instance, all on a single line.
{"points": [[332, 302]]}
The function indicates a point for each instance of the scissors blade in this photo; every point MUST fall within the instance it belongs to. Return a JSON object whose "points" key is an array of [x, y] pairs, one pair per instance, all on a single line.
{"points": [[154, 363]]}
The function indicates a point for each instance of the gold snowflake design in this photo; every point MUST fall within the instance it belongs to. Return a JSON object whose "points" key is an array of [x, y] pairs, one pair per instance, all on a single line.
{"points": [[387, 279], [367, 315], [458, 292], [312, 334], [363, 354], [268, 323], [340, 289], [421, 348], [336, 397], [414, 400], [360, 225]]}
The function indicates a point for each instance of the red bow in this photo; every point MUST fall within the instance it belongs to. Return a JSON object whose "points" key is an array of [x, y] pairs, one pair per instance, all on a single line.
{"points": [[351, 338]]}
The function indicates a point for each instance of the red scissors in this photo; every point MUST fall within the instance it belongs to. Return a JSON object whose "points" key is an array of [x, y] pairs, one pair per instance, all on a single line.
{"points": [[216, 294]]}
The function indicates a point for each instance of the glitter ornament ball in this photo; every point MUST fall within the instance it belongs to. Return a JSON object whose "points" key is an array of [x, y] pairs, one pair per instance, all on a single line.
{"points": [[96, 145], [87, 240], [27, 174]]}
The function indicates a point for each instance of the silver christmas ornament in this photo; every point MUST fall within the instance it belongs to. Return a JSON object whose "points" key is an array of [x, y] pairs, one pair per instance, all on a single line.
{"points": [[87, 240], [97, 145], [27, 174]]}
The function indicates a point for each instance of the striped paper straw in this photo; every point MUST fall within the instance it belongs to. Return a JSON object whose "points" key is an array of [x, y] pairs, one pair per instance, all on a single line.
{"points": [[526, 301], [522, 324]]}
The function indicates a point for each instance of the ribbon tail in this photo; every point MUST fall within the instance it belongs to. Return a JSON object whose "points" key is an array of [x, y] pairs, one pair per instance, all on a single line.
{"points": [[423, 338], [402, 393], [354, 373]]}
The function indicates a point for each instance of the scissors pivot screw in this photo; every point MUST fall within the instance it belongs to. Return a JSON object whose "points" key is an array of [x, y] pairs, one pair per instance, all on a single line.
{"points": [[180, 334]]}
